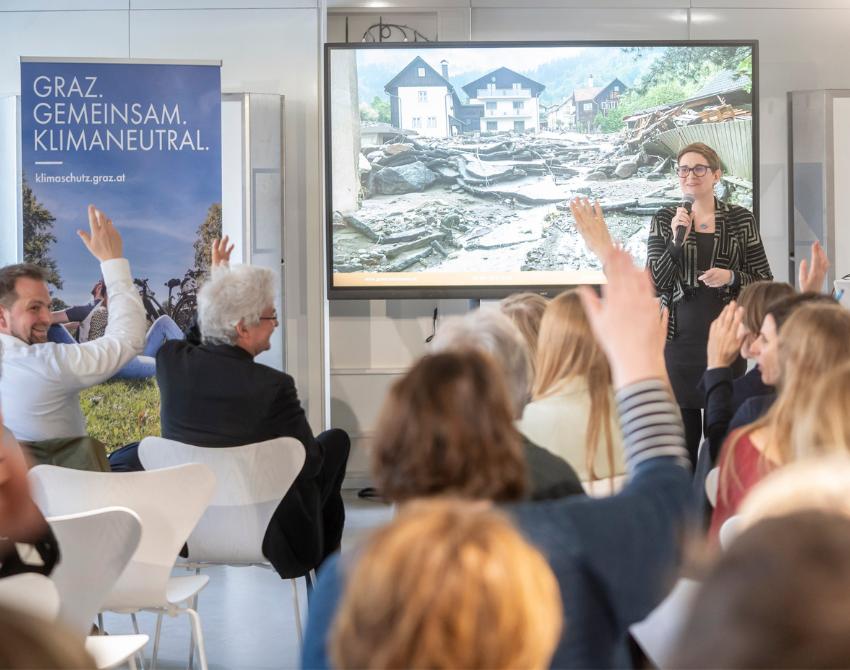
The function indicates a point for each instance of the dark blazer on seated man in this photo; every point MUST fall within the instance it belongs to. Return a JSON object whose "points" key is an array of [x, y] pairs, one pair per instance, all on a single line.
{"points": [[214, 394]]}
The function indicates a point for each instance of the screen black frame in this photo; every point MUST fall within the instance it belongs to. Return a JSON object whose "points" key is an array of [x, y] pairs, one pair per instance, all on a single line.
{"points": [[471, 291]]}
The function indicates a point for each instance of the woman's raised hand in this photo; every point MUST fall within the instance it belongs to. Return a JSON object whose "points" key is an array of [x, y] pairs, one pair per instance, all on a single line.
{"points": [[592, 227], [724, 340]]}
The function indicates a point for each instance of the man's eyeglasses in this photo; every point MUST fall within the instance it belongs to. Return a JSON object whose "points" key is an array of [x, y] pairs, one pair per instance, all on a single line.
{"points": [[698, 170], [273, 317]]}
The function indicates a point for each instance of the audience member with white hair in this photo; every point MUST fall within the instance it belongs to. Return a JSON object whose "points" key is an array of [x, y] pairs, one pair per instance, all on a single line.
{"points": [[214, 394], [492, 332]]}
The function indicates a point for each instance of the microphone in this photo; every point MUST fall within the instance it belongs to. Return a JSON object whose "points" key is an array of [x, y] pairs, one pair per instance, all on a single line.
{"points": [[687, 203]]}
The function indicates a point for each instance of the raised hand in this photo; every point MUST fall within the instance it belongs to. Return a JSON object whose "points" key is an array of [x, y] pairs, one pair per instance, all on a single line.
{"points": [[104, 241], [221, 251], [592, 227], [626, 321], [812, 275], [724, 342]]}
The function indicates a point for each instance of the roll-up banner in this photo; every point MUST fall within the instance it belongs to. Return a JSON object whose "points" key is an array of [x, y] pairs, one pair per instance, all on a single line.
{"points": [[141, 141]]}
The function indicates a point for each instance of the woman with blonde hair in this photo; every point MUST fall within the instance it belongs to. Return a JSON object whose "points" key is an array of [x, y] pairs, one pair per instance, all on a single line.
{"points": [[813, 341], [823, 423], [448, 584], [572, 408], [526, 310]]}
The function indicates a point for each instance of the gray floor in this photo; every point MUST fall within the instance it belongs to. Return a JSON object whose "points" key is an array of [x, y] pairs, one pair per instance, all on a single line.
{"points": [[246, 613]]}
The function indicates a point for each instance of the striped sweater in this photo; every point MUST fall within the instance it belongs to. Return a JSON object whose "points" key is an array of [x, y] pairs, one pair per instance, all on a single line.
{"points": [[737, 247]]}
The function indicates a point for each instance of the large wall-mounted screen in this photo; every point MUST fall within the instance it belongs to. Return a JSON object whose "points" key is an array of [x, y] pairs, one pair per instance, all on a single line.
{"points": [[450, 166]]}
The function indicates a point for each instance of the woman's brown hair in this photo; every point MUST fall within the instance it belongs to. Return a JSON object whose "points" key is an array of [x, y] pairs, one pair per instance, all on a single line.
{"points": [[755, 299], [710, 155], [448, 427], [814, 340], [448, 584], [526, 311], [567, 349]]}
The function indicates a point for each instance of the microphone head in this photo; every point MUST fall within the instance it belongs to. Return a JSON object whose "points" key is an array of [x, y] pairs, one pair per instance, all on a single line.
{"points": [[688, 202]]}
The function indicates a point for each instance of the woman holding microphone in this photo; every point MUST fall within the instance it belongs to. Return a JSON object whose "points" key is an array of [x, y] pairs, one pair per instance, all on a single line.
{"points": [[699, 258], [696, 273]]}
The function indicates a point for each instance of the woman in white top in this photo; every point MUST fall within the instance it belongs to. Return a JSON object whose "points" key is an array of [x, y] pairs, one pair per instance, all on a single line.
{"points": [[572, 408]]}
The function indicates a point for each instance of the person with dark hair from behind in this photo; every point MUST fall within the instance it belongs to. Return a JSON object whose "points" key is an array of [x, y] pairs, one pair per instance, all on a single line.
{"points": [[458, 587], [489, 331], [215, 394], [778, 597], [447, 428], [42, 380]]}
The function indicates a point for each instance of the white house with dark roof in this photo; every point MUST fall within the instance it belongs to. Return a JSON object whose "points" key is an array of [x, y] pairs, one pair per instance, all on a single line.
{"points": [[511, 101], [424, 101]]}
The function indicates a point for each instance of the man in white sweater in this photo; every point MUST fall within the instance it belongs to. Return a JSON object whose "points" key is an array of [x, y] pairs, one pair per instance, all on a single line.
{"points": [[41, 380]]}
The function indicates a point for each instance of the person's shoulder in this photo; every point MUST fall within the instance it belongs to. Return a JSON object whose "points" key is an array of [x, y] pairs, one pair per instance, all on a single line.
{"points": [[171, 348]]}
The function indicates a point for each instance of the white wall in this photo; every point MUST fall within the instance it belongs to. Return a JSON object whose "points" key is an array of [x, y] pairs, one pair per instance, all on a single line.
{"points": [[274, 48]]}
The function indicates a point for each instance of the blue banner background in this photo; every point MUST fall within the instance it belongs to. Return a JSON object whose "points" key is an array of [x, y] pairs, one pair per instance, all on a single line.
{"points": [[164, 195]]}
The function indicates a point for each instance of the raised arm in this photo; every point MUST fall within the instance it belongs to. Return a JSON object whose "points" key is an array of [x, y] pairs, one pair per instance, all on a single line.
{"points": [[96, 361], [636, 559]]}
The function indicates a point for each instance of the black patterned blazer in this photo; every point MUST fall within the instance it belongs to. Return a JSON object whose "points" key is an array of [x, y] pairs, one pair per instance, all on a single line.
{"points": [[737, 247]]}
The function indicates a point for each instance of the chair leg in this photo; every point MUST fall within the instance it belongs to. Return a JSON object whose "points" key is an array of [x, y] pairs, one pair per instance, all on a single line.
{"points": [[100, 628], [192, 640], [156, 641], [136, 629], [198, 636], [297, 609], [131, 662]]}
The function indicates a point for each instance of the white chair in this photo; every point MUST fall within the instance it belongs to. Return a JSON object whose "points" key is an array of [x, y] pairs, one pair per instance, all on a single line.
{"points": [[96, 548], [712, 482], [168, 502], [250, 482], [658, 633], [32, 593], [730, 529]]}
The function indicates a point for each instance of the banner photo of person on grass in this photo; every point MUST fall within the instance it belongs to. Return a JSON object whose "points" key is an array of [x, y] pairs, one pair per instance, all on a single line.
{"points": [[142, 142]]}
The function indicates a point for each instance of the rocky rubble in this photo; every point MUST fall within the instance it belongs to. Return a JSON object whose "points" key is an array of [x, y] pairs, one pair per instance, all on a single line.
{"points": [[468, 202]]}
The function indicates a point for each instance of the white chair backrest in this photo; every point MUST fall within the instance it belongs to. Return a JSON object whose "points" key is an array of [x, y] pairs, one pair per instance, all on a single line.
{"points": [[712, 482], [250, 482], [32, 593], [168, 502], [96, 547], [729, 531]]}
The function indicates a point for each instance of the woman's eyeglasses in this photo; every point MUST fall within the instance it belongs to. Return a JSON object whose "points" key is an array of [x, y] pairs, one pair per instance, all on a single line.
{"points": [[273, 317], [698, 170]]}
